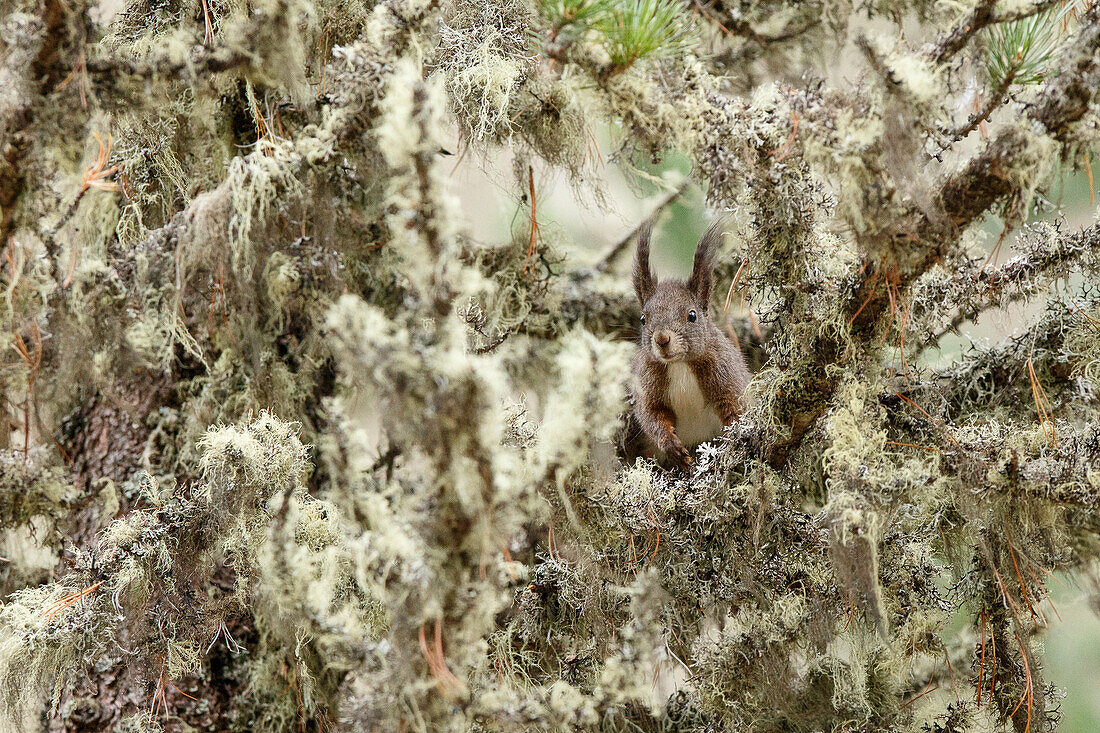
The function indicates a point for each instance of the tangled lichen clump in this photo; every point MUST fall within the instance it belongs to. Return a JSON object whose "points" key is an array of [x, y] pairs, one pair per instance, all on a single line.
{"points": [[285, 447]]}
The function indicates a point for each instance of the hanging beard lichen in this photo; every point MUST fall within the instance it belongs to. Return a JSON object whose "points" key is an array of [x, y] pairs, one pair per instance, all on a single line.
{"points": [[286, 447]]}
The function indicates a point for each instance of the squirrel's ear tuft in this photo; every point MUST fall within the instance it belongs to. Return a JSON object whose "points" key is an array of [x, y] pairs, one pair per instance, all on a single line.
{"points": [[702, 271], [645, 282]]}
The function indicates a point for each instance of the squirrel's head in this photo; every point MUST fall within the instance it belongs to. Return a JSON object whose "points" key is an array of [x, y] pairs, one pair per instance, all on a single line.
{"points": [[675, 321]]}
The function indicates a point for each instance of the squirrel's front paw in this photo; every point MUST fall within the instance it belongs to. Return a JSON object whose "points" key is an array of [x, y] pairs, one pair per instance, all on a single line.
{"points": [[675, 449]]}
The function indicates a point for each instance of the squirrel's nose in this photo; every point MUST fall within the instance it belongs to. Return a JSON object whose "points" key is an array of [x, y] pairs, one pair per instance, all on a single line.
{"points": [[662, 338]]}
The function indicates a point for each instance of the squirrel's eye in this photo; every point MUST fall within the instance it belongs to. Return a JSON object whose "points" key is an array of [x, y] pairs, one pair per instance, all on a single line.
{"points": [[643, 319], [691, 316]]}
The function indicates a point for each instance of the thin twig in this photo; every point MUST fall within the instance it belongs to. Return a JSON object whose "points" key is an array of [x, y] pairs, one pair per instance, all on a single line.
{"points": [[534, 234], [996, 98], [620, 247], [96, 175], [1042, 405]]}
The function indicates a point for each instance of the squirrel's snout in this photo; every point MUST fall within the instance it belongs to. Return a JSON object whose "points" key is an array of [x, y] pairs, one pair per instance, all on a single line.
{"points": [[664, 344]]}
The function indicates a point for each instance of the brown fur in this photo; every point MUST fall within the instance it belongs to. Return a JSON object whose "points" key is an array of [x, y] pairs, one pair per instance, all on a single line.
{"points": [[668, 337]]}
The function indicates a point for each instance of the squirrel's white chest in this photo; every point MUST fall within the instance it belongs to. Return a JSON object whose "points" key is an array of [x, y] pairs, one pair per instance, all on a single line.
{"points": [[696, 421]]}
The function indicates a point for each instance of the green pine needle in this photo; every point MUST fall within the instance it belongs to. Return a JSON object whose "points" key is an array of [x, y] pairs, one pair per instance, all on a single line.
{"points": [[1020, 52], [639, 28]]}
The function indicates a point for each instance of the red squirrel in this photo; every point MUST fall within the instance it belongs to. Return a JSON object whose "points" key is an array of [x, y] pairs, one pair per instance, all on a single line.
{"points": [[689, 377]]}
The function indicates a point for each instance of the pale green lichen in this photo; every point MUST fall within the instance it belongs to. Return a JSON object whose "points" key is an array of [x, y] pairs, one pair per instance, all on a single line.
{"points": [[299, 444]]}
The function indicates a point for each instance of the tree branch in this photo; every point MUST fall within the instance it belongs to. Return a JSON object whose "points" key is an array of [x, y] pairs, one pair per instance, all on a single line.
{"points": [[1051, 255], [202, 60], [980, 17], [927, 236]]}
